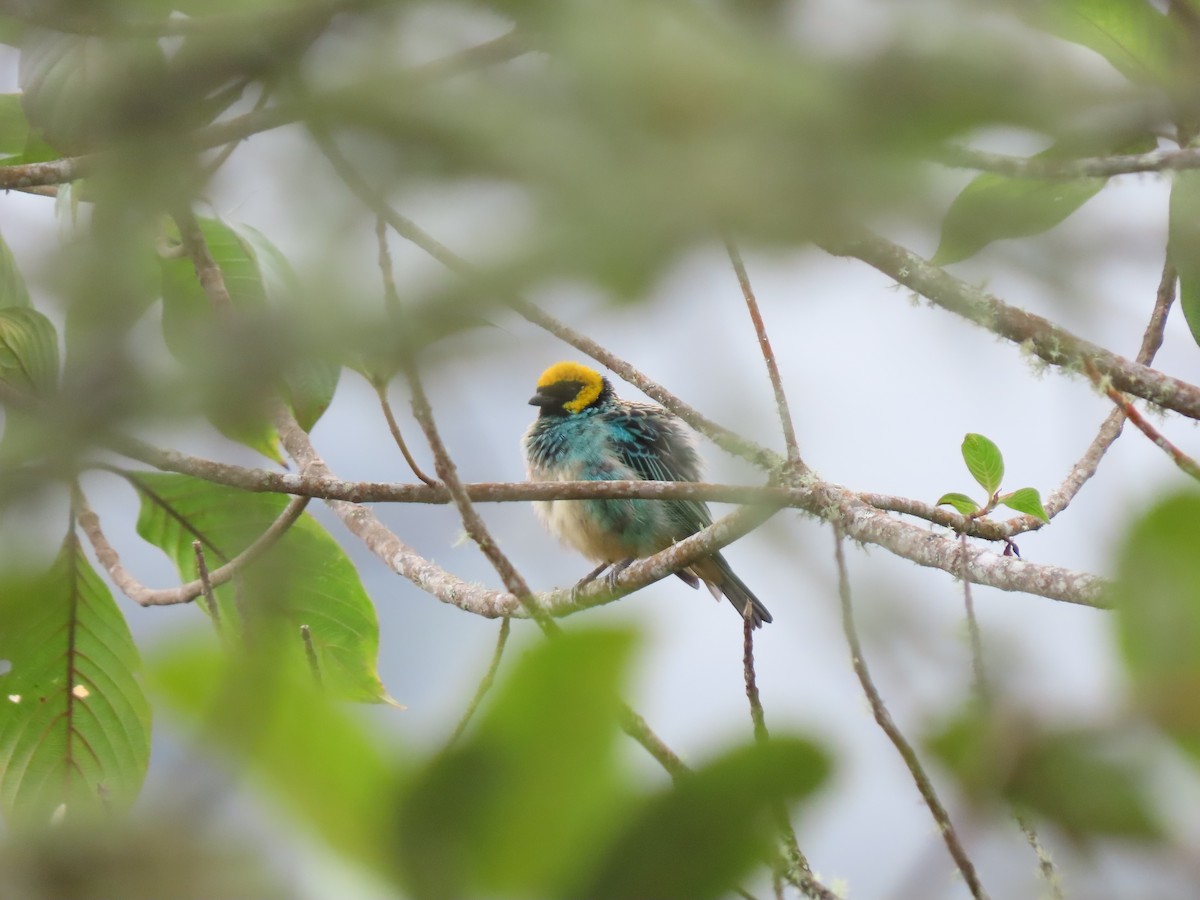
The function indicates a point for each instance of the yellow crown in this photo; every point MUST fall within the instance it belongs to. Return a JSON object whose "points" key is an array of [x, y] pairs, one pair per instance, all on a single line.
{"points": [[592, 383]]}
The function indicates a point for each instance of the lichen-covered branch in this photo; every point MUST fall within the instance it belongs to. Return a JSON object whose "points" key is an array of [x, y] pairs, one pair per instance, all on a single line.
{"points": [[1041, 337]]}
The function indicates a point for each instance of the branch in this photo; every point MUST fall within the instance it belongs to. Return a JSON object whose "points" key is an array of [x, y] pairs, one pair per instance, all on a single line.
{"points": [[764, 343], [385, 405], [883, 717], [862, 521], [488, 53], [1110, 430], [184, 593], [485, 683], [1055, 345], [1087, 167], [232, 131], [207, 270], [1181, 459], [57, 171]]}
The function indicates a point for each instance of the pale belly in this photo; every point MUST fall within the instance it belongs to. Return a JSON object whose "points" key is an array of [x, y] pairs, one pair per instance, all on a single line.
{"points": [[569, 521]]}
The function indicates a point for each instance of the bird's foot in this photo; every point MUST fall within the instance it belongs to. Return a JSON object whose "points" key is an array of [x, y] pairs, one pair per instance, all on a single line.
{"points": [[610, 580], [588, 579]]}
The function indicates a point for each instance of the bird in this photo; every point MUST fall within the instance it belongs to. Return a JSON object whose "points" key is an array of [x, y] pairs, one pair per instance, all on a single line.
{"points": [[584, 432]]}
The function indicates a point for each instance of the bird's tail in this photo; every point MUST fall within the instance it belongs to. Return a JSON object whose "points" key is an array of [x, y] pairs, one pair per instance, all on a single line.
{"points": [[715, 573]]}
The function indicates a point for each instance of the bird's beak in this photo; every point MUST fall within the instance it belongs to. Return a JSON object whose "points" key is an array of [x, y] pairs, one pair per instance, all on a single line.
{"points": [[541, 400]]}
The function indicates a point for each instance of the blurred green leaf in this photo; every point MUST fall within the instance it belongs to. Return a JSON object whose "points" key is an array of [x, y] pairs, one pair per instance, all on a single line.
{"points": [[28, 350], [304, 579], [1139, 41], [960, 502], [520, 808], [170, 851], [1026, 500], [14, 129], [1086, 784], [1156, 596], [256, 276], [12, 286], [78, 89], [309, 753], [1090, 782], [1183, 246], [12, 31], [984, 462], [695, 839], [74, 724], [993, 207], [311, 381], [198, 337]]}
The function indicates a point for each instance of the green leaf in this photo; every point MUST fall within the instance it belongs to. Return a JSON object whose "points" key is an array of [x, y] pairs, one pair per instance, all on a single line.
{"points": [[993, 207], [984, 462], [304, 749], [1087, 784], [12, 286], [1183, 244], [699, 837], [960, 502], [198, 337], [1090, 782], [1026, 500], [74, 724], [311, 382], [520, 807], [14, 129], [1156, 596], [28, 350], [12, 30], [1137, 39], [256, 275], [304, 579]]}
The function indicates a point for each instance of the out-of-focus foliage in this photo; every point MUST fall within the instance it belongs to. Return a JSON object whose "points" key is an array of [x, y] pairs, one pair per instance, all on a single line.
{"points": [[74, 723], [630, 132], [304, 579], [1089, 782], [1157, 600]]}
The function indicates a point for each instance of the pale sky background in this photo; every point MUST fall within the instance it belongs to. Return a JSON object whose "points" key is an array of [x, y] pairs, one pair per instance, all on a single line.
{"points": [[882, 390]]}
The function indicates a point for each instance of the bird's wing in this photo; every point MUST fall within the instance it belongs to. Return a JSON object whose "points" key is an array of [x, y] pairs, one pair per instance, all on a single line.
{"points": [[657, 447]]}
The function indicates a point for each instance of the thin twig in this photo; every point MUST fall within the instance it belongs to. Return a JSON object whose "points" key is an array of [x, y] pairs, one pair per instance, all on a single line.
{"points": [[310, 653], [392, 298], [381, 392], [975, 636], [884, 718], [184, 593], [757, 717], [984, 694], [636, 727], [214, 165], [210, 599], [793, 865], [207, 270], [485, 683], [1110, 430], [1181, 459], [1046, 867], [764, 343]]}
